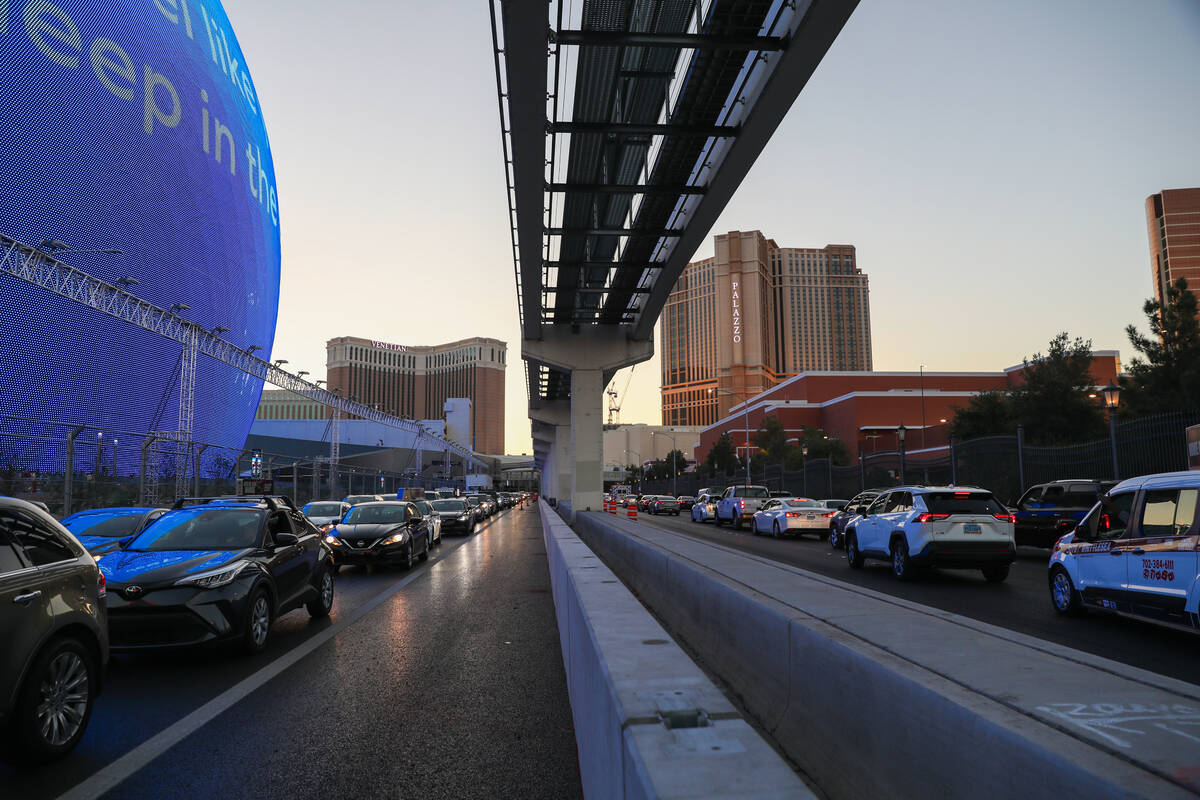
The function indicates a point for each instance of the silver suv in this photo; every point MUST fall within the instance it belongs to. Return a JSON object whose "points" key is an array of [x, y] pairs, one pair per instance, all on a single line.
{"points": [[54, 630], [936, 526]]}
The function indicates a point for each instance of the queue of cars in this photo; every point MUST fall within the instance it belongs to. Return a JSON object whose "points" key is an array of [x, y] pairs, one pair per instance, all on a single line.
{"points": [[206, 571]]}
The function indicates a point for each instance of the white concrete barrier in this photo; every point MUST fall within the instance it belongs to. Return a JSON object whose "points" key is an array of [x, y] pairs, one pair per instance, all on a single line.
{"points": [[873, 696], [648, 722]]}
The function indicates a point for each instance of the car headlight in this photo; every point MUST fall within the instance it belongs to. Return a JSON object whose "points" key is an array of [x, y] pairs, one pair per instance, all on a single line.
{"points": [[333, 541], [397, 538], [464, 517], [214, 578]]}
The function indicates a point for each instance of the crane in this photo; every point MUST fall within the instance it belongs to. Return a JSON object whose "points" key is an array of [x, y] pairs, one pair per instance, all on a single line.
{"points": [[614, 404]]}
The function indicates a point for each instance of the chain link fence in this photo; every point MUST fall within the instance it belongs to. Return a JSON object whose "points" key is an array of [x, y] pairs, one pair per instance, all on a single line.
{"points": [[72, 467], [1006, 465]]}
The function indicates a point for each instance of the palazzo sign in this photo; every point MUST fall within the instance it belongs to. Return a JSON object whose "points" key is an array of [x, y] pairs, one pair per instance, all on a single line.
{"points": [[737, 314]]}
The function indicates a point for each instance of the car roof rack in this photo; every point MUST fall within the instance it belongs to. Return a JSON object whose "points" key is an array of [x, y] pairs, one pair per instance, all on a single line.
{"points": [[274, 502]]}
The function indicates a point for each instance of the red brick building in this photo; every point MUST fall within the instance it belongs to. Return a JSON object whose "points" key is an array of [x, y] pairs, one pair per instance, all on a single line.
{"points": [[864, 409]]}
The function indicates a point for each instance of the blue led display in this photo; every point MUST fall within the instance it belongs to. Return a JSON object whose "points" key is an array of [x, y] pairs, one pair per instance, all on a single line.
{"points": [[134, 125]]}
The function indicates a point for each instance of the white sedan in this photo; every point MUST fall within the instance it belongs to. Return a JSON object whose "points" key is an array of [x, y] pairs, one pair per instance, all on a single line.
{"points": [[798, 515]]}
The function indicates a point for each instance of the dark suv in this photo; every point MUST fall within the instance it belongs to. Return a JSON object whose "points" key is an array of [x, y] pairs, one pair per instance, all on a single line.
{"points": [[53, 635], [1048, 510]]}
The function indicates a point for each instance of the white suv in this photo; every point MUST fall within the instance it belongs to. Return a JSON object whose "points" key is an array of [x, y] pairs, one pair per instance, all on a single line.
{"points": [[1135, 553], [934, 526]]}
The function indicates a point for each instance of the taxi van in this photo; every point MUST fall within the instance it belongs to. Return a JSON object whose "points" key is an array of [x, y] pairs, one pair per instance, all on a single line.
{"points": [[1134, 553]]}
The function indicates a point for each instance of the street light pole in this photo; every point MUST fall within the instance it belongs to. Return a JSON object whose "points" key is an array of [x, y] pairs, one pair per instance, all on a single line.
{"points": [[900, 434], [1112, 398], [674, 467], [922, 406], [746, 407]]}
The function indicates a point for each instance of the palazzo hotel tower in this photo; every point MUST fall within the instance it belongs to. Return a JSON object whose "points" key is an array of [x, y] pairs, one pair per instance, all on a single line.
{"points": [[754, 315]]}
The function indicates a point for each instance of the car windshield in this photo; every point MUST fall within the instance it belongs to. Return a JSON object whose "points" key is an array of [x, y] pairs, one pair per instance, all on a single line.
{"points": [[200, 528], [375, 514], [361, 498], [962, 503], [803, 504], [750, 491], [110, 525], [454, 506], [323, 509]]}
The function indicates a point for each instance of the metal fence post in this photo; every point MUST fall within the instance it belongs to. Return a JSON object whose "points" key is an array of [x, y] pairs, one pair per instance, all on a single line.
{"points": [[1021, 457], [862, 471], [69, 477], [296, 481], [146, 443], [829, 463], [953, 464]]}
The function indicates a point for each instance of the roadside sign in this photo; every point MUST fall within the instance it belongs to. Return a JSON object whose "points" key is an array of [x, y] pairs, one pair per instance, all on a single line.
{"points": [[1193, 446]]}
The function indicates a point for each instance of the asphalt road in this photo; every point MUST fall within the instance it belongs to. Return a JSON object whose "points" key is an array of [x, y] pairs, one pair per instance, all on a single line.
{"points": [[1021, 603], [443, 681]]}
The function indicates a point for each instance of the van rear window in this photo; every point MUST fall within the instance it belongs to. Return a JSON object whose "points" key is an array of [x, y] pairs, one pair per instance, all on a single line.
{"points": [[962, 503]]}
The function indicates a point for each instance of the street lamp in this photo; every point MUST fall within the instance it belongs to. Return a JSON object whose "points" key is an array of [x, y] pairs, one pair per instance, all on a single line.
{"points": [[301, 373], [220, 329], [99, 450], [179, 308], [125, 280], [1112, 398], [250, 350], [746, 408], [922, 406], [674, 467], [901, 432], [279, 362], [633, 453]]}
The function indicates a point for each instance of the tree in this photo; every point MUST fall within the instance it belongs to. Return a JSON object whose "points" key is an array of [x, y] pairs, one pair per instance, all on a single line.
{"points": [[771, 439], [1053, 404], [819, 446], [722, 459], [986, 414], [1167, 376]]}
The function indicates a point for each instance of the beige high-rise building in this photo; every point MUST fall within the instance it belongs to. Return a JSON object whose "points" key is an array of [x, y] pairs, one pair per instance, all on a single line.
{"points": [[752, 316]]}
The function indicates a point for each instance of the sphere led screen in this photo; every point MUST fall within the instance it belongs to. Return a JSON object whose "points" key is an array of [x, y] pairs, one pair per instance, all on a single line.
{"points": [[134, 126]]}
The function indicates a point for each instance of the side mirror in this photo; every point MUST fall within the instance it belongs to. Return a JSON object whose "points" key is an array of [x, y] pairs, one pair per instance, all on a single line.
{"points": [[286, 539], [123, 543]]}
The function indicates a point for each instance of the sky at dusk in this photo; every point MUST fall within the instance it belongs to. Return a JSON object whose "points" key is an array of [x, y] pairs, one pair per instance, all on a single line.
{"points": [[990, 161]]}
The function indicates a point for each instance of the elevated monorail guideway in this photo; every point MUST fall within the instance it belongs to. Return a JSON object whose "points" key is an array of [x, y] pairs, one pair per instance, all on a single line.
{"points": [[627, 126]]}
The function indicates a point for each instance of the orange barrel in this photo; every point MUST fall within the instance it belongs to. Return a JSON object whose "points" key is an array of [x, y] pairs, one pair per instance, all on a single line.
{"points": [[612, 507], [632, 513]]}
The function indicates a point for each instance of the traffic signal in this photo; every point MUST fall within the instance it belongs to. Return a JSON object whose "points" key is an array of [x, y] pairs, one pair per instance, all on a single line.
{"points": [[256, 463]]}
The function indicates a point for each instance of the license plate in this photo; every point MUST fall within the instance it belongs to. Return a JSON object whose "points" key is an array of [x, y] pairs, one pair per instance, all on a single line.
{"points": [[812, 516], [972, 529]]}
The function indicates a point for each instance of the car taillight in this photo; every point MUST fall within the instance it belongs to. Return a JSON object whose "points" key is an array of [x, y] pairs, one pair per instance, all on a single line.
{"points": [[101, 586], [1009, 518], [927, 517], [741, 503], [828, 514], [790, 514]]}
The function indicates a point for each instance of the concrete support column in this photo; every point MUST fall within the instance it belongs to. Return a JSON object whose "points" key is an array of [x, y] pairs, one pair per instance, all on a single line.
{"points": [[587, 439], [561, 462]]}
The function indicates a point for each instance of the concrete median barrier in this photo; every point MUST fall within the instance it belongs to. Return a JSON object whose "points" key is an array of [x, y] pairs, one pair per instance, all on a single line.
{"points": [[648, 722], [873, 696]]}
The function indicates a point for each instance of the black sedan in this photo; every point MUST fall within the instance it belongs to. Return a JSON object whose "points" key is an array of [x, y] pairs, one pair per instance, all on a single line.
{"points": [[219, 571], [388, 532], [456, 515]]}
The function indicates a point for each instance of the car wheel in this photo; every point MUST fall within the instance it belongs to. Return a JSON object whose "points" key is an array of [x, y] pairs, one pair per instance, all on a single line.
{"points": [[995, 574], [1064, 595], [320, 605], [54, 704], [737, 522], [853, 557], [717, 519], [775, 529], [833, 538], [257, 628], [901, 564], [425, 553]]}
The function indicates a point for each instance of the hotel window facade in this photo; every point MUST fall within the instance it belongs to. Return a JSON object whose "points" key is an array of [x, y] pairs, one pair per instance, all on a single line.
{"points": [[752, 316]]}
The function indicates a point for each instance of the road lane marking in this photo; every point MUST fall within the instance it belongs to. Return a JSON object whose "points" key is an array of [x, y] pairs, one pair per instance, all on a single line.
{"points": [[112, 774]]}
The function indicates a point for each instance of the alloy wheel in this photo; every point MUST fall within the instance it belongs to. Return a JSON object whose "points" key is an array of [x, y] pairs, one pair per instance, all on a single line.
{"points": [[327, 589], [1062, 591], [64, 699], [260, 620]]}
